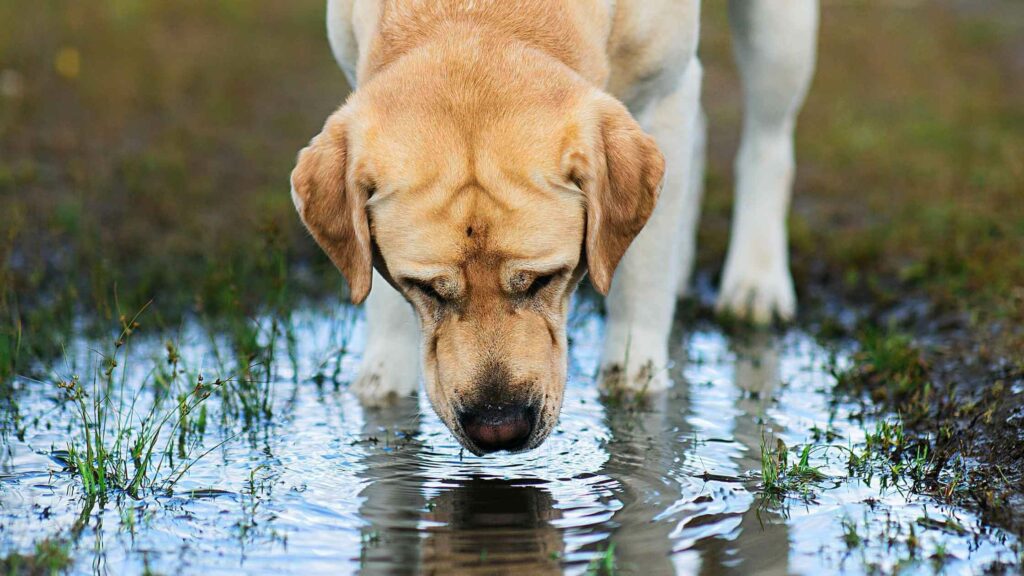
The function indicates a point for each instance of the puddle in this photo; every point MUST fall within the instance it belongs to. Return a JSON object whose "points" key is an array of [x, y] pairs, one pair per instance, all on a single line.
{"points": [[325, 487]]}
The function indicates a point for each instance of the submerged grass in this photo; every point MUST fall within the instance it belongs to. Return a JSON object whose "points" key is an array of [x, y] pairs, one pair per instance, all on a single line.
{"points": [[896, 459], [49, 558]]}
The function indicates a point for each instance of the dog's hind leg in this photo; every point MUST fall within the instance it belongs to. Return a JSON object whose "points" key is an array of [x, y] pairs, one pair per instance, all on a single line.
{"points": [[390, 368], [643, 295], [775, 44]]}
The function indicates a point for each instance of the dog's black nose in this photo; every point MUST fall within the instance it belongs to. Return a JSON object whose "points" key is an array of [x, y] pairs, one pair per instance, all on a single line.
{"points": [[493, 427]]}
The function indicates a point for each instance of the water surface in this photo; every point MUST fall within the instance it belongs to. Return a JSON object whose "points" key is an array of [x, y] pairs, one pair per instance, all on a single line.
{"points": [[323, 486]]}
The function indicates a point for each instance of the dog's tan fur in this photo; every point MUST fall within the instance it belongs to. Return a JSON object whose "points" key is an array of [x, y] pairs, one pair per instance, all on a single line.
{"points": [[477, 156], [486, 161]]}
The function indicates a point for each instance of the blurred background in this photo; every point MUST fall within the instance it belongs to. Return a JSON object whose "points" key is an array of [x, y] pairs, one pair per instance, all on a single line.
{"points": [[145, 147]]}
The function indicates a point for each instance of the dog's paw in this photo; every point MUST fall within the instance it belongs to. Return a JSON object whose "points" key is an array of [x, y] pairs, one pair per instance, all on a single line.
{"points": [[635, 364], [634, 359], [643, 377], [753, 293], [383, 381]]}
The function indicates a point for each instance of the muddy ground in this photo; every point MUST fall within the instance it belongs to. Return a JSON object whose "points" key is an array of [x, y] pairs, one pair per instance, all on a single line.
{"points": [[144, 150]]}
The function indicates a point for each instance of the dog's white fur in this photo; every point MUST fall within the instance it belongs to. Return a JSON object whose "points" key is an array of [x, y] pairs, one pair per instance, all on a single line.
{"points": [[660, 83]]}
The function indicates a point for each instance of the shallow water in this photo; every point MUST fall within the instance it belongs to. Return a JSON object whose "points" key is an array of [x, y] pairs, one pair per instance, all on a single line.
{"points": [[323, 486]]}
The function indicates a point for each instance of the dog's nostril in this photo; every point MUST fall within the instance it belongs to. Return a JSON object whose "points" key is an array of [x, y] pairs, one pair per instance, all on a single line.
{"points": [[499, 427]]}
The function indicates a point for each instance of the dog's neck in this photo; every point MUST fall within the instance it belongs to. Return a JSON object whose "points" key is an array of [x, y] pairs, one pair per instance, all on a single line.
{"points": [[573, 32]]}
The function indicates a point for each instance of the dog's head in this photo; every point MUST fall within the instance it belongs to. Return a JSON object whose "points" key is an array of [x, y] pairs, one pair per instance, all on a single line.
{"points": [[483, 200]]}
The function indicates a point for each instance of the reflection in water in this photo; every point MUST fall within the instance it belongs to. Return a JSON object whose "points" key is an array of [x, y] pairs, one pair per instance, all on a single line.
{"points": [[666, 517], [761, 545], [492, 525], [326, 487], [666, 513], [644, 442], [392, 498], [474, 525]]}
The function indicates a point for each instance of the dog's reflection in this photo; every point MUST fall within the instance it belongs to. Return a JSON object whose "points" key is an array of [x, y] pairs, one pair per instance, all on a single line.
{"points": [[392, 497], [667, 522], [423, 525], [492, 526], [674, 523], [763, 543]]}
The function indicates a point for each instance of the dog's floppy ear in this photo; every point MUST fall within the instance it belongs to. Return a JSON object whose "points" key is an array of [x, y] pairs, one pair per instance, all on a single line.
{"points": [[332, 205], [619, 169]]}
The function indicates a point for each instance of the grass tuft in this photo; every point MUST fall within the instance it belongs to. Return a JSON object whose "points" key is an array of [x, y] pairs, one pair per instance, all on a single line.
{"points": [[780, 478], [121, 446]]}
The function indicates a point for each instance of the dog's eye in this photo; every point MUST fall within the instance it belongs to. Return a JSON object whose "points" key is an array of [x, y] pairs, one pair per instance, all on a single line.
{"points": [[427, 289], [539, 283]]}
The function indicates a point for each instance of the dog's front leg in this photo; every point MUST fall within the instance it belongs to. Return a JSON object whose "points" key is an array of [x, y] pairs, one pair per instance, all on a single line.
{"points": [[775, 49], [390, 367], [643, 295]]}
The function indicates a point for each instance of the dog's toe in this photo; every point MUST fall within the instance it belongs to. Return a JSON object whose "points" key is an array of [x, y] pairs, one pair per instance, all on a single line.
{"points": [[381, 384], [760, 299], [643, 377]]}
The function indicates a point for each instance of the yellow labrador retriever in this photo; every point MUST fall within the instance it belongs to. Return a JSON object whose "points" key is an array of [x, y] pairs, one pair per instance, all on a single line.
{"points": [[495, 151]]}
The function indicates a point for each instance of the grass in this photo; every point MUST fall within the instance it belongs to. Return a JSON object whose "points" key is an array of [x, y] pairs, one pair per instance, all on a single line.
{"points": [[938, 416], [49, 558], [781, 478], [898, 459], [851, 537], [906, 205], [119, 445], [139, 148], [104, 165], [603, 563], [889, 367]]}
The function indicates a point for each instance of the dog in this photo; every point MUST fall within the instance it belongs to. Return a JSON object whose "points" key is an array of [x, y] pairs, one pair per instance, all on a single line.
{"points": [[493, 152]]}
